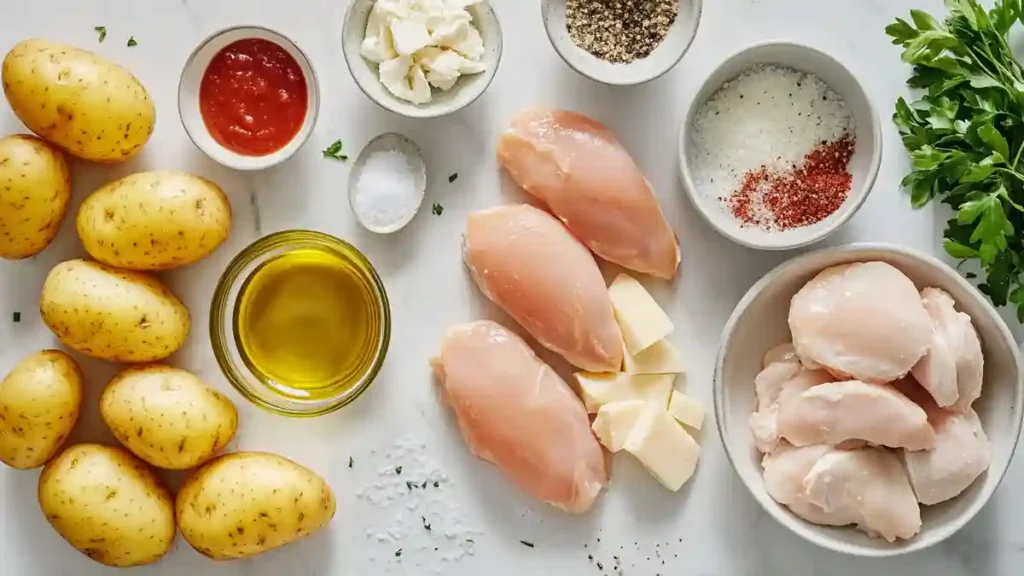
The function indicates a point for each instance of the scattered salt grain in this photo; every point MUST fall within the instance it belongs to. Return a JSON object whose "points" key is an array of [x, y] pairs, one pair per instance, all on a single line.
{"points": [[767, 117], [387, 191]]}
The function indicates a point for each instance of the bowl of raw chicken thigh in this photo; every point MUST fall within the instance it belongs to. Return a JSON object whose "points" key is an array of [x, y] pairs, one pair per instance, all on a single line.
{"points": [[869, 397]]}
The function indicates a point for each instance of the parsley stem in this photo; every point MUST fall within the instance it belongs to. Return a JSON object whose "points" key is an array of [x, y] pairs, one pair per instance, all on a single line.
{"points": [[1011, 172]]}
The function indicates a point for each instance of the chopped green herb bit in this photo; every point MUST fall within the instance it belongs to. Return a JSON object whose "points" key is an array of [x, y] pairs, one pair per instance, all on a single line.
{"points": [[410, 485], [17, 317], [424, 484], [437, 209], [334, 151], [102, 31], [132, 42], [426, 524], [527, 544], [470, 541], [398, 553], [453, 177], [398, 470], [436, 484], [350, 461]]}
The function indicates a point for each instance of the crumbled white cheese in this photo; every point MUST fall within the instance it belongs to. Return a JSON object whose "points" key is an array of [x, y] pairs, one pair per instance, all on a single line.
{"points": [[422, 43]]}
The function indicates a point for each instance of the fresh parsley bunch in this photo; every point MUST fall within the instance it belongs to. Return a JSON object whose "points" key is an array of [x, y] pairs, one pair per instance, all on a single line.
{"points": [[966, 134]]}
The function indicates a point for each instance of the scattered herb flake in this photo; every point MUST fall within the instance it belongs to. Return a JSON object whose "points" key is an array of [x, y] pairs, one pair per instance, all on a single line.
{"points": [[436, 484], [350, 461], [398, 470], [425, 482], [132, 42], [470, 541], [410, 485], [334, 151], [398, 553], [453, 177], [527, 544], [102, 31], [437, 209], [426, 524], [17, 317]]}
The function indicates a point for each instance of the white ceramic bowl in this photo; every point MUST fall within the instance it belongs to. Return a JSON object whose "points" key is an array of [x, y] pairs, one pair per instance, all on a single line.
{"points": [[759, 322], [863, 166], [188, 98], [661, 60], [466, 90], [411, 151]]}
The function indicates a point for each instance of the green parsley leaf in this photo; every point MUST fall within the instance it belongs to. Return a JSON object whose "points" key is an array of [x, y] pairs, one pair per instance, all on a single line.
{"points": [[334, 151], [436, 209], [132, 42], [102, 31]]}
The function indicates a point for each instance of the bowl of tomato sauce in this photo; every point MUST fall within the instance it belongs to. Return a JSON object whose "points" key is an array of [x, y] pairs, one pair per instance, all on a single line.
{"points": [[248, 97]]}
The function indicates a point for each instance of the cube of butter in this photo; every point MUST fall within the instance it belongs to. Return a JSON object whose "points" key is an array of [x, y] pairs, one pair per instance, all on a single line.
{"points": [[615, 421], [658, 358], [663, 447], [640, 318], [686, 410], [600, 388]]}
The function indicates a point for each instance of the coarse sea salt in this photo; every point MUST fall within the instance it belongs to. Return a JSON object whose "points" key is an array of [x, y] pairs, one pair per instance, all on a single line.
{"points": [[769, 116], [387, 192]]}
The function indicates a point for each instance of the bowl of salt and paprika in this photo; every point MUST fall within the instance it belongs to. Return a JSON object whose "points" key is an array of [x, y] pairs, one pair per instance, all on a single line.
{"points": [[780, 147], [248, 97]]}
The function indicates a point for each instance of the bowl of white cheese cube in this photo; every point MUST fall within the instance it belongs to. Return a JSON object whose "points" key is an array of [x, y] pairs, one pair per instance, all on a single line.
{"points": [[422, 58]]}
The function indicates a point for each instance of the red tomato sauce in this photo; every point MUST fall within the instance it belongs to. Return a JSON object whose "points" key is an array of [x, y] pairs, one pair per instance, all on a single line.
{"points": [[253, 97]]}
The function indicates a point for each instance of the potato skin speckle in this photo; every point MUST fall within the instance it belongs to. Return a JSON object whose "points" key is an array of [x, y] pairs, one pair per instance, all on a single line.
{"points": [[86, 105], [154, 220], [113, 314], [167, 416], [35, 190], [107, 504], [241, 505], [39, 404]]}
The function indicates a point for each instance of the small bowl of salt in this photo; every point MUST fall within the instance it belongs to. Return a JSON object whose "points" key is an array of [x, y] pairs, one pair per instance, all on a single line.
{"points": [[387, 183], [780, 147]]}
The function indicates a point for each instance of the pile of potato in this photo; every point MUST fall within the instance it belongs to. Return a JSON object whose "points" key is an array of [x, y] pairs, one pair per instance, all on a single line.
{"points": [[107, 501]]}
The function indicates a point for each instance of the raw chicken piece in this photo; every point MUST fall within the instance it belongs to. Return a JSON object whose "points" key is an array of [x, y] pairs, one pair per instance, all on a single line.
{"points": [[961, 453], [525, 261], [517, 414], [784, 474], [576, 166], [783, 378], [838, 411], [952, 370], [863, 321], [871, 483]]}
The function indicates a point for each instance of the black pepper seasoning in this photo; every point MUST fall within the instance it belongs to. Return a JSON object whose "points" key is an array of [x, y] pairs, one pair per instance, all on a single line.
{"points": [[619, 31]]}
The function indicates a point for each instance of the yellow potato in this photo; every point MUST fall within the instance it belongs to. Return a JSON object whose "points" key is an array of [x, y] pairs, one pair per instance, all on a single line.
{"points": [[113, 314], [35, 189], [107, 504], [244, 504], [167, 416], [89, 106], [154, 220], [39, 403]]}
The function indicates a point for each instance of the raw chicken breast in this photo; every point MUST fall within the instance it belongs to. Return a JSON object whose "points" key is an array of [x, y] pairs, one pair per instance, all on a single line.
{"points": [[516, 413], [838, 411], [525, 261], [863, 321], [784, 474], [871, 483], [952, 370], [783, 378], [575, 165], [962, 450]]}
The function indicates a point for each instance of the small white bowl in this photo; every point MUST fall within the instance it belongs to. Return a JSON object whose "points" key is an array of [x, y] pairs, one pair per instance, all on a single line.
{"points": [[188, 98], [411, 151], [759, 322], [466, 90], [661, 60], [863, 166]]}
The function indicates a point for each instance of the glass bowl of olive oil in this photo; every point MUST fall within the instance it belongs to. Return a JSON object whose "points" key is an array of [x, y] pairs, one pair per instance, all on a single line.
{"points": [[300, 323]]}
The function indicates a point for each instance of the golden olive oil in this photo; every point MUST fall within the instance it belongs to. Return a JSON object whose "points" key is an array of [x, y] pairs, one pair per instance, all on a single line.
{"points": [[306, 322]]}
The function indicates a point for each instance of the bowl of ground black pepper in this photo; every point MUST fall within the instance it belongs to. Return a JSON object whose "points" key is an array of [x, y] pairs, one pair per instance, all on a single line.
{"points": [[621, 42]]}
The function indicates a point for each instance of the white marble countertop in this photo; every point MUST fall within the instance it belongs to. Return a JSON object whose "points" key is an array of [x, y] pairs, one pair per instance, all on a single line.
{"points": [[712, 528]]}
